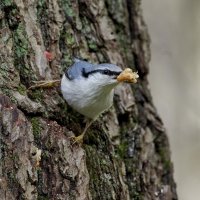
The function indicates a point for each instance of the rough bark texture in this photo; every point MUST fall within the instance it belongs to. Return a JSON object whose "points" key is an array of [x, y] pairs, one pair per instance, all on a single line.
{"points": [[126, 151]]}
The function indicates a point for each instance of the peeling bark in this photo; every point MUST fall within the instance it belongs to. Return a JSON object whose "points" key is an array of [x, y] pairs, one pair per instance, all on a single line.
{"points": [[126, 151]]}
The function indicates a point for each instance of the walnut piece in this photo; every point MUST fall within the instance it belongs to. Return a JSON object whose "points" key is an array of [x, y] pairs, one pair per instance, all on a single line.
{"points": [[128, 76]]}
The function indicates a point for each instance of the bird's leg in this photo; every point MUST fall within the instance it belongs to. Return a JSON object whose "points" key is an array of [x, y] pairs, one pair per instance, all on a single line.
{"points": [[79, 139], [45, 84]]}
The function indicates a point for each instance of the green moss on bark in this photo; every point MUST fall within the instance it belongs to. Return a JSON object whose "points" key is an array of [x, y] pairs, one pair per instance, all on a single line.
{"points": [[36, 126], [22, 55]]}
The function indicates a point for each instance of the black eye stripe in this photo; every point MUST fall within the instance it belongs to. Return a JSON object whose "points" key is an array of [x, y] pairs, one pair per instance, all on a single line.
{"points": [[102, 71]]}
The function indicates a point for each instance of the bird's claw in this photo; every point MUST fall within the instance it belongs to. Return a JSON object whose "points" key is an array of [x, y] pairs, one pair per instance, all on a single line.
{"points": [[45, 84], [77, 140]]}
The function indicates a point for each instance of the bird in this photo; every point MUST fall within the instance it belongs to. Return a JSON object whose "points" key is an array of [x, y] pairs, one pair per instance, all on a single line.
{"points": [[89, 88]]}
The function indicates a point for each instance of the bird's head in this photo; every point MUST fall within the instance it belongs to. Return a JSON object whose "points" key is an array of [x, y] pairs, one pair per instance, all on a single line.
{"points": [[104, 74], [101, 75]]}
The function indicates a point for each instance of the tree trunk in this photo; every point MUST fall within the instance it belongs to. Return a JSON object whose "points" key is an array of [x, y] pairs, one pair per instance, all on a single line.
{"points": [[125, 154]]}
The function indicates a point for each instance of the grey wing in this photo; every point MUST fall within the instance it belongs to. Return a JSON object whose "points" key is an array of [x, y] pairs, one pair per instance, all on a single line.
{"points": [[76, 70]]}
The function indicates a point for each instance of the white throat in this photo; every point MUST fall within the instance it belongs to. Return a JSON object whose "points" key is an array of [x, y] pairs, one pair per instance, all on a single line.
{"points": [[89, 96]]}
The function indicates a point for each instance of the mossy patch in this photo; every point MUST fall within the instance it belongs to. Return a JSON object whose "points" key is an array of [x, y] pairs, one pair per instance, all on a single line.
{"points": [[164, 155], [37, 95], [21, 89], [20, 41], [22, 53], [7, 2], [67, 8], [121, 149], [7, 91], [36, 128]]}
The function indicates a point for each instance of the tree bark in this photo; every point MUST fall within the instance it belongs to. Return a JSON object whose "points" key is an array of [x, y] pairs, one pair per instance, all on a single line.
{"points": [[125, 154]]}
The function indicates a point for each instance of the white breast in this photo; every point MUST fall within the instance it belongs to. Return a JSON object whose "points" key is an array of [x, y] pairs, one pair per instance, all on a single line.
{"points": [[87, 96]]}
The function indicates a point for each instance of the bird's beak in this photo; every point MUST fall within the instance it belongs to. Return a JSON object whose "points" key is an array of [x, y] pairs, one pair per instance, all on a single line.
{"points": [[128, 76]]}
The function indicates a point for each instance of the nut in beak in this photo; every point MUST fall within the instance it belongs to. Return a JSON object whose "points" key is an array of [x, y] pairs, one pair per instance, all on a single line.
{"points": [[128, 76]]}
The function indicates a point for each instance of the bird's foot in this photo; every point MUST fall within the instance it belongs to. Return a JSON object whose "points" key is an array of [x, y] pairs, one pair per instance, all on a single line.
{"points": [[78, 139], [45, 84]]}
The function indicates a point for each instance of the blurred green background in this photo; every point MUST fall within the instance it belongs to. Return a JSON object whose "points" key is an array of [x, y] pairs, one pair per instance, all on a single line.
{"points": [[174, 28]]}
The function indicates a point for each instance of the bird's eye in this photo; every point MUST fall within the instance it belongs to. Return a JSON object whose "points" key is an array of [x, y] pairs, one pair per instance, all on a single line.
{"points": [[106, 71]]}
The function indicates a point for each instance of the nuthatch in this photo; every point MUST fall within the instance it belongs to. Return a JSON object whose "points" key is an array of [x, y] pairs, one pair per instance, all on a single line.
{"points": [[89, 88]]}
